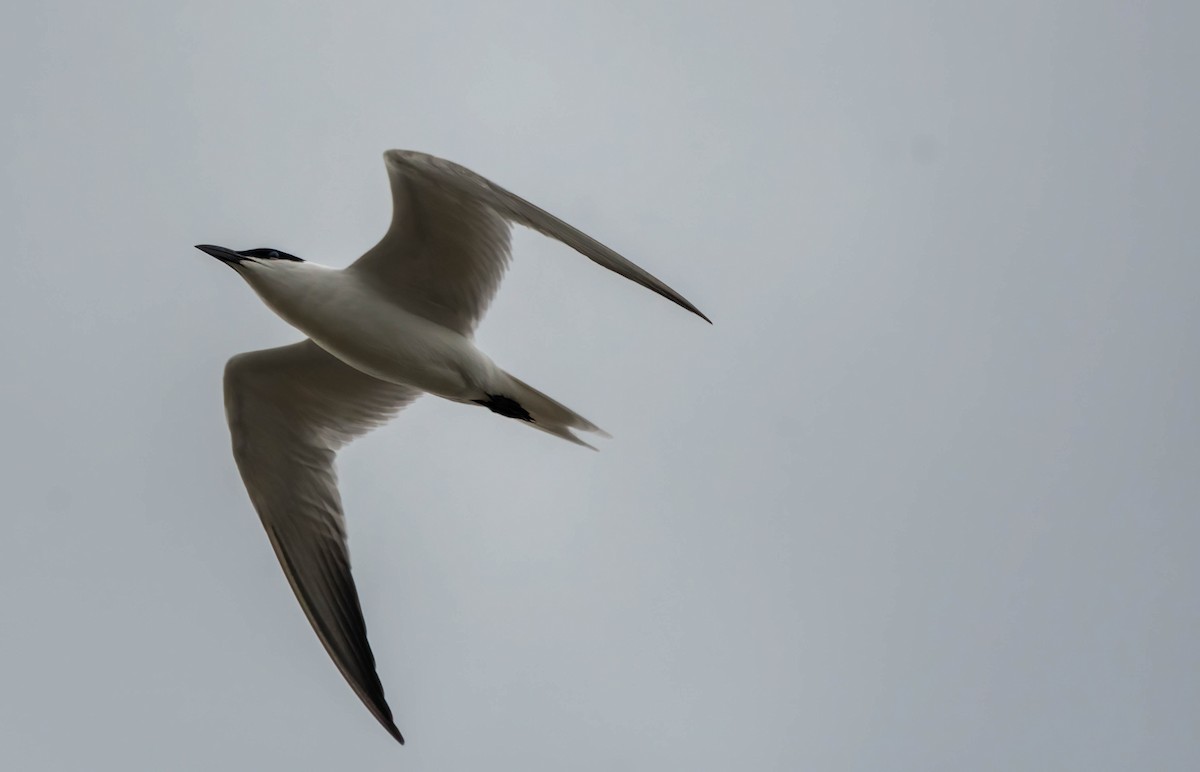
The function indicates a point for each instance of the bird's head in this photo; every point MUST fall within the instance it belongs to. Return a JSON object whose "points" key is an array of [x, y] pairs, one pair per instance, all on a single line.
{"points": [[263, 256], [279, 279]]}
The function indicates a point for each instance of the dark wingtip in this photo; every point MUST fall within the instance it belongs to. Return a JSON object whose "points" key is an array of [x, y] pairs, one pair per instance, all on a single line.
{"points": [[384, 715], [695, 311], [679, 300], [379, 708]]}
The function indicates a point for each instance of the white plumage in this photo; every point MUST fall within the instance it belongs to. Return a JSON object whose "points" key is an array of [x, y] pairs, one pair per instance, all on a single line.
{"points": [[396, 323]]}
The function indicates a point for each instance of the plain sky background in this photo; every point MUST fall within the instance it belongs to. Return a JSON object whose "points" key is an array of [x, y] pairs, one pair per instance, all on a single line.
{"points": [[923, 498]]}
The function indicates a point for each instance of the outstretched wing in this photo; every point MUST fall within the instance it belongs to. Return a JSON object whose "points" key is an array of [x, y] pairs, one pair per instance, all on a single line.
{"points": [[448, 244], [289, 410]]}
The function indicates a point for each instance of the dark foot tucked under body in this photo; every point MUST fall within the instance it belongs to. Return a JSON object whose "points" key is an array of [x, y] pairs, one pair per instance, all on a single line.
{"points": [[505, 406]]}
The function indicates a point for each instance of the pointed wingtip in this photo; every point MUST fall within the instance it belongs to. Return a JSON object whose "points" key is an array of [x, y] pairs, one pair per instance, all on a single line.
{"points": [[384, 714], [391, 728], [695, 311], [683, 303]]}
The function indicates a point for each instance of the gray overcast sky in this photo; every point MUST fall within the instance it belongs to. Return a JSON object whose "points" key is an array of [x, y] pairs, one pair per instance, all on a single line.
{"points": [[925, 496]]}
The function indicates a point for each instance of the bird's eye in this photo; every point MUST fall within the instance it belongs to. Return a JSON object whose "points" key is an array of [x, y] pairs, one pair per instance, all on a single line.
{"points": [[273, 254]]}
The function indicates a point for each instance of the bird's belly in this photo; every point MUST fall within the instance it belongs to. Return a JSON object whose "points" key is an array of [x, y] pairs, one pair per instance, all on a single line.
{"points": [[396, 346]]}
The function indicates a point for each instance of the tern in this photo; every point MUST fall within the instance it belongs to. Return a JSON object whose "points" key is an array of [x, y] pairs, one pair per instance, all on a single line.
{"points": [[396, 323]]}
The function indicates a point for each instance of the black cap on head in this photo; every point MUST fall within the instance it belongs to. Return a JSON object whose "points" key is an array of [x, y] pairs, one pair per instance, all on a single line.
{"points": [[230, 257]]}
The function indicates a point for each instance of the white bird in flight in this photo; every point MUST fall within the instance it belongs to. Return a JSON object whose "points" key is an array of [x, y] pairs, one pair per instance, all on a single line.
{"points": [[396, 323]]}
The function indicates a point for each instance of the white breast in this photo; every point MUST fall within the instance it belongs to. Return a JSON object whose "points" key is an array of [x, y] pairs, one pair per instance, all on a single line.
{"points": [[369, 331]]}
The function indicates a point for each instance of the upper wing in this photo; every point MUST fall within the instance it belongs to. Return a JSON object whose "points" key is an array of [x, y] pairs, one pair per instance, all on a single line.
{"points": [[290, 409], [448, 244]]}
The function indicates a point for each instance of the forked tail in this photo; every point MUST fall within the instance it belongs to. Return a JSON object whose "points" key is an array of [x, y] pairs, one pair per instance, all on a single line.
{"points": [[521, 401]]}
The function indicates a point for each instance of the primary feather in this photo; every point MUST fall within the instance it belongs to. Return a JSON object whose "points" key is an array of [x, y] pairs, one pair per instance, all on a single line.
{"points": [[396, 323]]}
